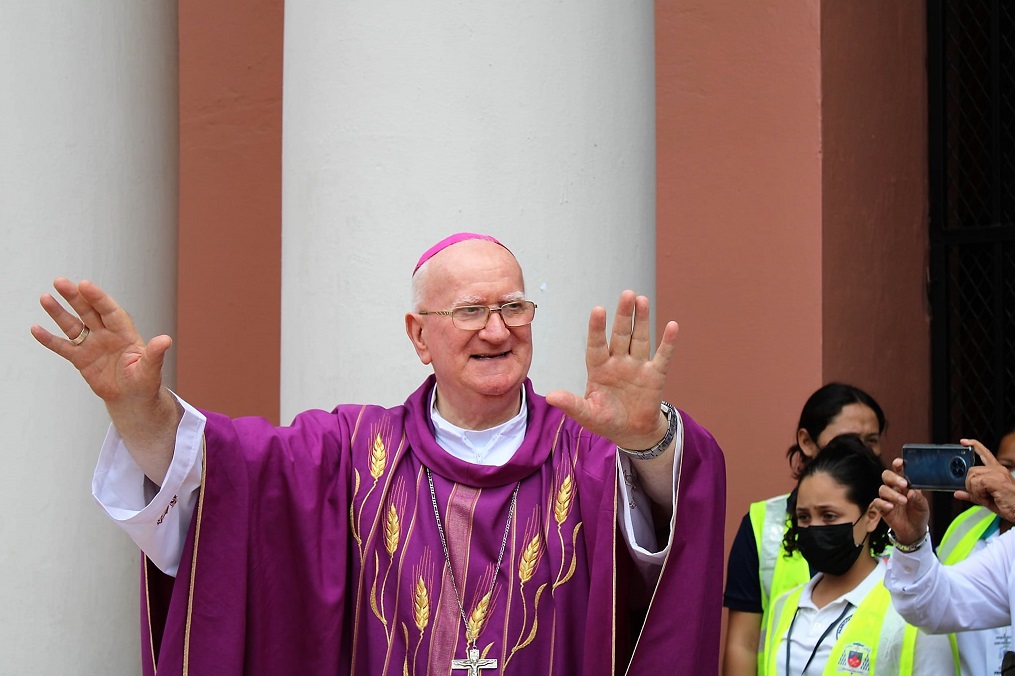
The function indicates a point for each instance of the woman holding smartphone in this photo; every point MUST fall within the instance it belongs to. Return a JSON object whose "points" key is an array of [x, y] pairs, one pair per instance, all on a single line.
{"points": [[842, 620]]}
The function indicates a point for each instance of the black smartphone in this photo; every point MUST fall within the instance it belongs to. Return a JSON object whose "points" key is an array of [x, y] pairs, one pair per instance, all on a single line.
{"points": [[937, 467]]}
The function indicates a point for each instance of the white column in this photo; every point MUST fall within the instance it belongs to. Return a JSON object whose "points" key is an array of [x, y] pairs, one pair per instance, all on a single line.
{"points": [[404, 122], [87, 189]]}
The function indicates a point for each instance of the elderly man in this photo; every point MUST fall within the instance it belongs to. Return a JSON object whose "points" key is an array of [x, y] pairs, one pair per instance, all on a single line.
{"points": [[476, 527]]}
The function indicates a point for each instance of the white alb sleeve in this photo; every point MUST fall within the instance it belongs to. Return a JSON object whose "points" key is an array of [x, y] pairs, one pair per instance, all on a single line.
{"points": [[975, 593], [635, 514], [155, 518]]}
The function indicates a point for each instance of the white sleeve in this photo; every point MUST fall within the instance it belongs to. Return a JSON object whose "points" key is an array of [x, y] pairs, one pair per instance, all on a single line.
{"points": [[635, 513], [156, 519], [972, 594]]}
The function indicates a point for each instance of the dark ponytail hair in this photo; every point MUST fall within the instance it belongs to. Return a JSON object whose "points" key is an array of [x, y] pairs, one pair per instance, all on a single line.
{"points": [[850, 463], [821, 409]]}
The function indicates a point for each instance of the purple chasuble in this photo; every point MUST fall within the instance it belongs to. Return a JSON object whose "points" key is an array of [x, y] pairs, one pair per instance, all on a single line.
{"points": [[314, 549]]}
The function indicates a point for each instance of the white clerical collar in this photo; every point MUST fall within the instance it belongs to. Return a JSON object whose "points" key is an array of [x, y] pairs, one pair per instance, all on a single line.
{"points": [[493, 446]]}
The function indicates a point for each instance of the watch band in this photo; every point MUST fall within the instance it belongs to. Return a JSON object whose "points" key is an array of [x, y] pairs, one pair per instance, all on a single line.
{"points": [[658, 449], [906, 549]]}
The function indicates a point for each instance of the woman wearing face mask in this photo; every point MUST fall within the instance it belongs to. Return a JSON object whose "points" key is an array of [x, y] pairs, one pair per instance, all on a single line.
{"points": [[757, 572], [842, 621], [980, 652]]}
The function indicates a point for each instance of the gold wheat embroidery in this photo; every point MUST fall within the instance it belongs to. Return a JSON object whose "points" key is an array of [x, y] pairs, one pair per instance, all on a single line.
{"points": [[574, 555], [392, 529], [391, 533], [405, 660], [373, 595], [378, 457], [530, 558], [477, 619], [376, 447], [377, 463], [421, 605], [561, 510], [352, 512], [535, 622], [562, 503], [528, 563], [423, 573]]}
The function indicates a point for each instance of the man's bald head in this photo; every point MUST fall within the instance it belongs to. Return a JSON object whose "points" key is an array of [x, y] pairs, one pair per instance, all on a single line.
{"points": [[421, 273]]}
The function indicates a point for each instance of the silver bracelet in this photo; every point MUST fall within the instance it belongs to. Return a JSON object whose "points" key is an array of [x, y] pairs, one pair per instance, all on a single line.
{"points": [[906, 549], [660, 448]]}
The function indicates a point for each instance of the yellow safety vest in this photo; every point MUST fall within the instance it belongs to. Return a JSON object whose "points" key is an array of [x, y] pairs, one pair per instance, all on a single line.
{"points": [[875, 641], [963, 534], [777, 572]]}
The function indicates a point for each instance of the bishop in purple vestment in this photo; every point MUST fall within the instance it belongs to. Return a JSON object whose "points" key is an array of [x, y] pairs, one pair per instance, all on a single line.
{"points": [[352, 542]]}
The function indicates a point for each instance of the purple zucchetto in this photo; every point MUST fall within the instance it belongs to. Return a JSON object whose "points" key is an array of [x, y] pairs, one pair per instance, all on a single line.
{"points": [[448, 241]]}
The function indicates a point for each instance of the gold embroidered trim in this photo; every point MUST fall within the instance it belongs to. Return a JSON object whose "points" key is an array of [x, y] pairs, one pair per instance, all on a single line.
{"points": [[613, 550], [148, 609]]}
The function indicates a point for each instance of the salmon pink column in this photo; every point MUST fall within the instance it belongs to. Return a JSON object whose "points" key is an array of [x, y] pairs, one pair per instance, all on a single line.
{"points": [[739, 243], [230, 204]]}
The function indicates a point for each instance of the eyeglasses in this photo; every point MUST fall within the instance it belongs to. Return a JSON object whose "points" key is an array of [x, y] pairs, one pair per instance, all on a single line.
{"points": [[474, 317]]}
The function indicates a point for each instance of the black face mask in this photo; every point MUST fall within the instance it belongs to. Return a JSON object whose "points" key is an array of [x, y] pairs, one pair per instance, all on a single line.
{"points": [[829, 549]]}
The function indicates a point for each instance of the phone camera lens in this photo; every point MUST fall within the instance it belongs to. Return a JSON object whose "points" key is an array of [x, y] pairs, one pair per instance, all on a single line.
{"points": [[958, 467]]}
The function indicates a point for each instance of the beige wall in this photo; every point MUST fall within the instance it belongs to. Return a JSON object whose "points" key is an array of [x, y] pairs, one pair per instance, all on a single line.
{"points": [[405, 122], [87, 191]]}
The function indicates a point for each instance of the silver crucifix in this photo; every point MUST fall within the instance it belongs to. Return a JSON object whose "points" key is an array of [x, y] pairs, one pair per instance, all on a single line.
{"points": [[474, 664]]}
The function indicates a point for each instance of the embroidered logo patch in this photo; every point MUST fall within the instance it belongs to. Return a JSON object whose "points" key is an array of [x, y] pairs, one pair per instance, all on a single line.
{"points": [[855, 659]]}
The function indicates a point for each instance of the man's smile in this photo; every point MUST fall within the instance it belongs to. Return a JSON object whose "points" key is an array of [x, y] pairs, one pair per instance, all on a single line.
{"points": [[491, 356]]}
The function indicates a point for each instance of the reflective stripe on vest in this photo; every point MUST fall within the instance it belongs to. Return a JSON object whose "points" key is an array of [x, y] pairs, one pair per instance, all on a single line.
{"points": [[875, 641], [776, 572], [958, 542], [963, 534]]}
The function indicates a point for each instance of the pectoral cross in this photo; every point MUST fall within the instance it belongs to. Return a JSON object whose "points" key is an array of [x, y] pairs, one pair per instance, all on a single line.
{"points": [[474, 664]]}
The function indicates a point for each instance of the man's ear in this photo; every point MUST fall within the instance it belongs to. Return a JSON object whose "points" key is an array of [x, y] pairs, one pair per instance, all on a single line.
{"points": [[414, 329]]}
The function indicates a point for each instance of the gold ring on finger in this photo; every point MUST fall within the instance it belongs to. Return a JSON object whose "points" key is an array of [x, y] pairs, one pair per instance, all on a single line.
{"points": [[80, 338]]}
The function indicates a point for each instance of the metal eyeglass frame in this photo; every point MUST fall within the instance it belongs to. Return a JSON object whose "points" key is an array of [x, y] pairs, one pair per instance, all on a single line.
{"points": [[486, 318]]}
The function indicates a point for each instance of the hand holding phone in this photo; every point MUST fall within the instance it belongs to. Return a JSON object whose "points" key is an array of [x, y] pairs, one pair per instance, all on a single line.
{"points": [[991, 485], [906, 511]]}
